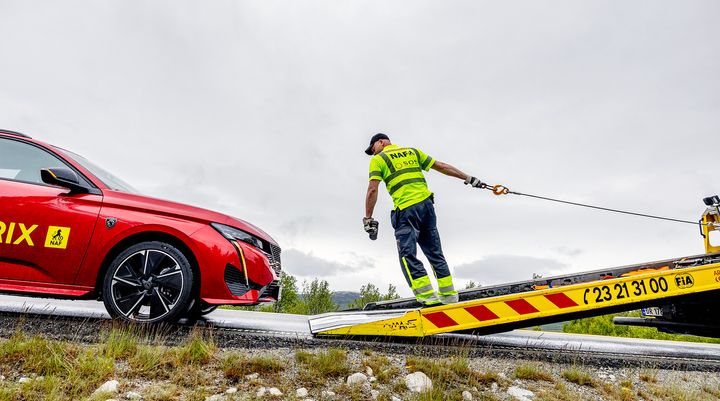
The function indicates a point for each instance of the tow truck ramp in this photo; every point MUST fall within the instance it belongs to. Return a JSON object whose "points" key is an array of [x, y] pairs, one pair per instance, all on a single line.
{"points": [[638, 286]]}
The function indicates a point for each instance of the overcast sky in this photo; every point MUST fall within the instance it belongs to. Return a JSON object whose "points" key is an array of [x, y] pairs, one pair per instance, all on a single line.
{"points": [[262, 110]]}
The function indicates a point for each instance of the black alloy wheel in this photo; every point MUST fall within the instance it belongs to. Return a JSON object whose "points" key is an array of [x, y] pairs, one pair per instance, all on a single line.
{"points": [[150, 282]]}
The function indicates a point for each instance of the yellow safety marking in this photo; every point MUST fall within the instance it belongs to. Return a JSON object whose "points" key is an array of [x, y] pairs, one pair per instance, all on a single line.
{"points": [[501, 309], [461, 316], [57, 237], [541, 303], [513, 308]]}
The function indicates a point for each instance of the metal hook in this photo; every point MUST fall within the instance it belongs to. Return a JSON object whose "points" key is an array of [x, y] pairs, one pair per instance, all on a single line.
{"points": [[500, 190]]}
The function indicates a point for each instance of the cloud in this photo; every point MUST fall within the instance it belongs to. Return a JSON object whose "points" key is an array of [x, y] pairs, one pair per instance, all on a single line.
{"points": [[567, 251], [496, 269], [307, 265], [299, 226], [360, 262]]}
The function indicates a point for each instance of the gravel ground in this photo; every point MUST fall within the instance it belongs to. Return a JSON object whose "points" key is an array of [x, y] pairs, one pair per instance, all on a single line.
{"points": [[612, 378], [87, 330]]}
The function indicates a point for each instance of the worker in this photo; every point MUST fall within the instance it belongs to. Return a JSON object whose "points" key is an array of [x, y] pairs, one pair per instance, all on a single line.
{"points": [[413, 218]]}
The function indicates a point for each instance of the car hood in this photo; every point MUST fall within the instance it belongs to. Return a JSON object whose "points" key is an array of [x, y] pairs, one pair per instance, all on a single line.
{"points": [[179, 210]]}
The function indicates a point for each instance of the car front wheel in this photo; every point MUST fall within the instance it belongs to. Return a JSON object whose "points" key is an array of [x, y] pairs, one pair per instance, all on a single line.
{"points": [[150, 282]]}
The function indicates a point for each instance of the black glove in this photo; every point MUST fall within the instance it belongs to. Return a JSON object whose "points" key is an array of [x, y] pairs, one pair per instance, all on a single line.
{"points": [[371, 227], [475, 182]]}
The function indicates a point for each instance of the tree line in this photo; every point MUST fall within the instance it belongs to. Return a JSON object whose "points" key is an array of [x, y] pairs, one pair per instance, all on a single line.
{"points": [[315, 297]]}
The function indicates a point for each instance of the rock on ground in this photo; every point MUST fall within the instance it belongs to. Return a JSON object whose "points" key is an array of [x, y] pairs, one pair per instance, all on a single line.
{"points": [[356, 379], [302, 392], [110, 386], [131, 395], [418, 382], [520, 394]]}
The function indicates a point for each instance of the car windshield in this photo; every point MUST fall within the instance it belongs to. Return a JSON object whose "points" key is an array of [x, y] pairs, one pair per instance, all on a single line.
{"points": [[108, 179]]}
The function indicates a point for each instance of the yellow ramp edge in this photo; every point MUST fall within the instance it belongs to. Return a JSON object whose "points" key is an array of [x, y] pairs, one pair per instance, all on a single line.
{"points": [[522, 306]]}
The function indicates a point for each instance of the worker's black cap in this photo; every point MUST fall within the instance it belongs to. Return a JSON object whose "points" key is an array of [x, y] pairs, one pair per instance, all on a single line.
{"points": [[374, 139]]}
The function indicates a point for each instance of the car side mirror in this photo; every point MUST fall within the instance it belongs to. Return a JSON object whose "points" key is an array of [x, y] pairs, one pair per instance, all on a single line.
{"points": [[62, 177]]}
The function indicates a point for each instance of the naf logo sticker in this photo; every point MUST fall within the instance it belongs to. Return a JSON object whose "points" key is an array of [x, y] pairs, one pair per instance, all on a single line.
{"points": [[57, 237]]}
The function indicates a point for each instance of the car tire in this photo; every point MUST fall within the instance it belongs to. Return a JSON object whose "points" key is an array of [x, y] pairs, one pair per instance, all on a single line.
{"points": [[150, 282]]}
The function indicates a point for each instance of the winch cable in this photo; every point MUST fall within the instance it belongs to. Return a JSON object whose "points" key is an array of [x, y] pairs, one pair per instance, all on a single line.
{"points": [[503, 190]]}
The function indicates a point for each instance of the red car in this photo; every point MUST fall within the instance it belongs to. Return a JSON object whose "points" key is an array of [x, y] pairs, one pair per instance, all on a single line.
{"points": [[70, 229]]}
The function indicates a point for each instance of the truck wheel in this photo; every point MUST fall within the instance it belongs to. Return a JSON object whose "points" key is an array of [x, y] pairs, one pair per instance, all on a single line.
{"points": [[150, 282]]}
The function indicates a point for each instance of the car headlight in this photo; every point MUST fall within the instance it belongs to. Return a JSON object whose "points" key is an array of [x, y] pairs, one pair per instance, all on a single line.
{"points": [[232, 234]]}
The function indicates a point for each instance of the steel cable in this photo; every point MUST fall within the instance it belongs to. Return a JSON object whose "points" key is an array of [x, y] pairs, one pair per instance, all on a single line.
{"points": [[502, 190]]}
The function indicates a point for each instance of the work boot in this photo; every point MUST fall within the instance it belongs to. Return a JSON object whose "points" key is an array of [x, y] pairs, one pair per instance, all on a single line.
{"points": [[449, 299], [431, 300]]}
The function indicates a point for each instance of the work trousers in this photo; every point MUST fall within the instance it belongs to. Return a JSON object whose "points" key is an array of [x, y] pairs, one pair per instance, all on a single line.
{"points": [[417, 225]]}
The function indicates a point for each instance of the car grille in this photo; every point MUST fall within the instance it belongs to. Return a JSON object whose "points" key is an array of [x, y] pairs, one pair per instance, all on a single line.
{"points": [[274, 258], [235, 281], [271, 291]]}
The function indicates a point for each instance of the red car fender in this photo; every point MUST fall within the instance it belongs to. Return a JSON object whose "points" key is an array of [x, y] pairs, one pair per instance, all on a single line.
{"points": [[106, 239]]}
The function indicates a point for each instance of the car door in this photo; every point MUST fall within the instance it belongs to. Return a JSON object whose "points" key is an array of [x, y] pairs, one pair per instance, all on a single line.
{"points": [[44, 231]]}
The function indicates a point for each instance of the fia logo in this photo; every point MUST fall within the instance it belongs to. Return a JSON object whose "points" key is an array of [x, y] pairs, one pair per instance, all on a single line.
{"points": [[684, 280], [57, 237]]}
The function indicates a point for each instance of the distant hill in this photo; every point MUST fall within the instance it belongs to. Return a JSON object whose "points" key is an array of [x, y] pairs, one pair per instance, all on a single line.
{"points": [[344, 298]]}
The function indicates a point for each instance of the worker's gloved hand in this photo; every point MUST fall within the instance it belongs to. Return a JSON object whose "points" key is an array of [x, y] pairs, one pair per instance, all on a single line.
{"points": [[475, 182], [371, 227]]}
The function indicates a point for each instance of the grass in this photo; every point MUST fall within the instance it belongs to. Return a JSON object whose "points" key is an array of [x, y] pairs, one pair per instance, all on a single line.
{"points": [[196, 350], [579, 377], [383, 370], [620, 392], [322, 365], [196, 369], [151, 362], [451, 373], [531, 371], [648, 376], [352, 393], [120, 342], [674, 393], [713, 391], [163, 392], [236, 366], [559, 392], [58, 370]]}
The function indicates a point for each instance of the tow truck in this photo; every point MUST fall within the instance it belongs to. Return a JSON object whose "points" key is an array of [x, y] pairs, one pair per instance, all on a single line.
{"points": [[680, 295]]}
